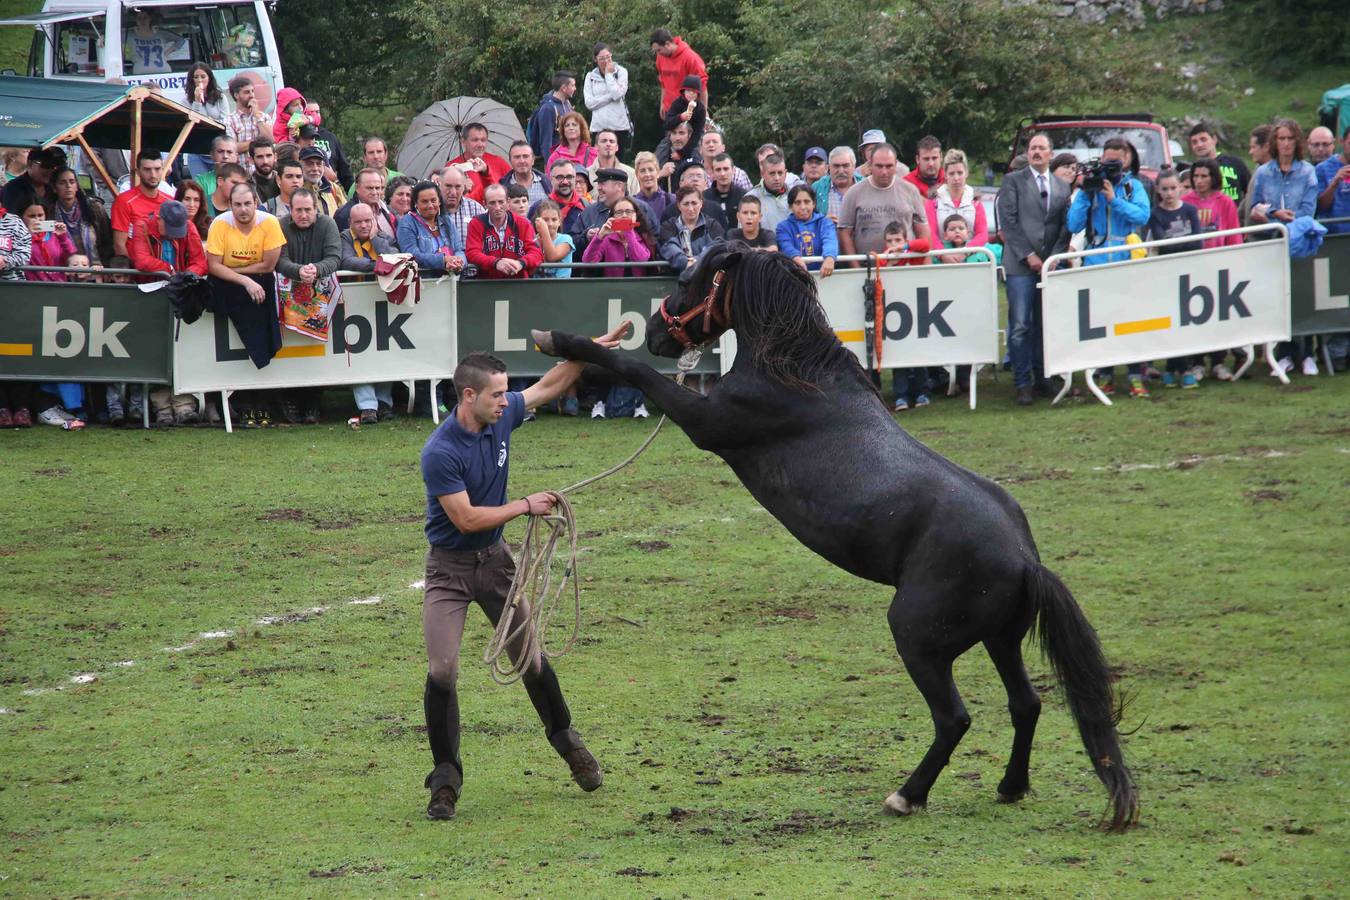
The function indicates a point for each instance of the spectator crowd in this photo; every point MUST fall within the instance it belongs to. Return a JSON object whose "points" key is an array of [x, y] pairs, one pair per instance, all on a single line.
{"points": [[277, 208]]}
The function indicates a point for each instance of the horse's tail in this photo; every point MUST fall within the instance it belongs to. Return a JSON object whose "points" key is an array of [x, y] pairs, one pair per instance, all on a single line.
{"points": [[1071, 645]]}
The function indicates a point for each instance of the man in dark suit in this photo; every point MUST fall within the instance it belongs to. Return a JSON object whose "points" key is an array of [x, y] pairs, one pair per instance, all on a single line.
{"points": [[1032, 204]]}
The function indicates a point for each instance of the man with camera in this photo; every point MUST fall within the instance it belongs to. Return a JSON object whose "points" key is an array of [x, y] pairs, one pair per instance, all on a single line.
{"points": [[1111, 204]]}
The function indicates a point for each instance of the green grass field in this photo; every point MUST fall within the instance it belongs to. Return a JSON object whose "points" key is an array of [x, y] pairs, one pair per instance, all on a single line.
{"points": [[211, 670]]}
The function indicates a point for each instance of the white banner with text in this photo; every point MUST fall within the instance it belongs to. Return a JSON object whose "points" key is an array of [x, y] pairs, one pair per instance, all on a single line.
{"points": [[370, 340], [1165, 306], [935, 315]]}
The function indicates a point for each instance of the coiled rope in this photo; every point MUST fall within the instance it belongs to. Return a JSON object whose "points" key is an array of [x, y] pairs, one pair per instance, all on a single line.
{"points": [[535, 595]]}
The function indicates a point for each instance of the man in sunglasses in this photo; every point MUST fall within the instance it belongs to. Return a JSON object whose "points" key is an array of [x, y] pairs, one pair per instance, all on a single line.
{"points": [[34, 185], [1032, 205]]}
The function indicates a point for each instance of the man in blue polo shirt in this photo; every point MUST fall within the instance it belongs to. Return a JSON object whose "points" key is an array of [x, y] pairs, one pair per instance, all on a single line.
{"points": [[465, 464]]}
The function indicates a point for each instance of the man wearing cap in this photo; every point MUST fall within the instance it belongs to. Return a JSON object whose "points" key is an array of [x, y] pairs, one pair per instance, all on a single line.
{"points": [[831, 188], [139, 201], [168, 243], [871, 139], [34, 185], [815, 164], [709, 146], [331, 197], [337, 170], [502, 244], [611, 186]]}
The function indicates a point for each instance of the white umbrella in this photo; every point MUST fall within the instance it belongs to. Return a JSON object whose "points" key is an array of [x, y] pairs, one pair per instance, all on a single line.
{"points": [[434, 136]]}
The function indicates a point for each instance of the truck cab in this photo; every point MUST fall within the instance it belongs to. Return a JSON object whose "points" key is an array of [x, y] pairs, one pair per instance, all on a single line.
{"points": [[154, 42]]}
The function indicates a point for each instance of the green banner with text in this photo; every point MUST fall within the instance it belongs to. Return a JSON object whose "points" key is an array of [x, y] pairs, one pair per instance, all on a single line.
{"points": [[497, 316], [1319, 297], [84, 332]]}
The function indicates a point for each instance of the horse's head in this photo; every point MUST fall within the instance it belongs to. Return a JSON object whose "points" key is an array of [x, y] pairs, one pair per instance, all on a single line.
{"points": [[698, 311]]}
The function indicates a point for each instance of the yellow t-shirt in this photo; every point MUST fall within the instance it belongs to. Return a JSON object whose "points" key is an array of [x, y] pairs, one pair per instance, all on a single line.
{"points": [[236, 249]]}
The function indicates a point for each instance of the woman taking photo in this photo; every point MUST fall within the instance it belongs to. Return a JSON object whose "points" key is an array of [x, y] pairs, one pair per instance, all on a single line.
{"points": [[574, 143], [685, 237], [807, 233], [428, 234], [624, 238], [84, 217]]}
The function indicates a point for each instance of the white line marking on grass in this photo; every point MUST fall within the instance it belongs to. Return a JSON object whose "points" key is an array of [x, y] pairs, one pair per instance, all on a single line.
{"points": [[213, 635], [188, 646], [5, 712], [366, 601], [417, 585], [38, 692], [84, 678], [125, 664]]}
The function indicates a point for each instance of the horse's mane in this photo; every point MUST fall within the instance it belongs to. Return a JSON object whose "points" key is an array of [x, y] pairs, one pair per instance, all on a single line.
{"points": [[778, 319]]}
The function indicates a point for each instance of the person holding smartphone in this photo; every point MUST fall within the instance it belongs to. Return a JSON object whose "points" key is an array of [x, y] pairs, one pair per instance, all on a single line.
{"points": [[623, 238]]}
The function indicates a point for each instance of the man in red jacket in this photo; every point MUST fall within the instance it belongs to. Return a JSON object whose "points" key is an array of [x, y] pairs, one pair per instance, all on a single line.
{"points": [[927, 174], [502, 244], [167, 242], [479, 167], [674, 60]]}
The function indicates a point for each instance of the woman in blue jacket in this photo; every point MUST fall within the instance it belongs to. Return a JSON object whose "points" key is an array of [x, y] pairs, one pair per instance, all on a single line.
{"points": [[1114, 211], [808, 233], [428, 235], [1286, 187]]}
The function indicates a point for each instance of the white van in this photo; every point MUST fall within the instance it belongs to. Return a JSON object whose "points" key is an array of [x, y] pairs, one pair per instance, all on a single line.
{"points": [[158, 40]]}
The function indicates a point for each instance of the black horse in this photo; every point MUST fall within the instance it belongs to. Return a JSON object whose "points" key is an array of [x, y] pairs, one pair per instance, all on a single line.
{"points": [[800, 423]]}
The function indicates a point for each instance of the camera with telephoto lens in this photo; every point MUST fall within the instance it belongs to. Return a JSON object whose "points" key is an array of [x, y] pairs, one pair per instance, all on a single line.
{"points": [[1096, 172]]}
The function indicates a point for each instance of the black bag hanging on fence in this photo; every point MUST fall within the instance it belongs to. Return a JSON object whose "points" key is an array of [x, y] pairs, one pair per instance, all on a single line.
{"points": [[189, 294], [874, 313]]}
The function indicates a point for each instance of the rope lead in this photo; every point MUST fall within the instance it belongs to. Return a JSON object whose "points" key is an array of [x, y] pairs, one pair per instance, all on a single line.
{"points": [[519, 641]]}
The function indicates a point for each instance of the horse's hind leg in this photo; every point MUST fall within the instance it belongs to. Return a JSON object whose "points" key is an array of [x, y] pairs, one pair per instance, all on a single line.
{"points": [[1025, 706], [932, 674]]}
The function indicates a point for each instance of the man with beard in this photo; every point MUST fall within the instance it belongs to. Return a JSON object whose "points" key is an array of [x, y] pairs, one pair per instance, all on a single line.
{"points": [[330, 196], [571, 207], [263, 153], [927, 173], [137, 203]]}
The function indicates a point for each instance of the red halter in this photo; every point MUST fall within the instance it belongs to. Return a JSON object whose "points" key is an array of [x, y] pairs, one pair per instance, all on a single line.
{"points": [[712, 312]]}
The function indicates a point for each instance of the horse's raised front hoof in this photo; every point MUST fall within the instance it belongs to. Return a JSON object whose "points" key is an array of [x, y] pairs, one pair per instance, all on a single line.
{"points": [[543, 340], [897, 805]]}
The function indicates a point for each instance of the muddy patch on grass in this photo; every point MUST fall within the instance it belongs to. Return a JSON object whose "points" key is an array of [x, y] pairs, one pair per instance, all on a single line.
{"points": [[1266, 495], [637, 872], [287, 514], [53, 472], [652, 546], [1043, 475], [799, 821], [792, 612]]}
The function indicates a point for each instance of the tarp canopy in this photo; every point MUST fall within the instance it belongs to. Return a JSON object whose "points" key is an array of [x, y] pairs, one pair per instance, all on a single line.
{"points": [[40, 112]]}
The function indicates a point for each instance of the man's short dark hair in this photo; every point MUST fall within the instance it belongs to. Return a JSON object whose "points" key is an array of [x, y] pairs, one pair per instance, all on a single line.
{"points": [[1200, 128], [289, 162], [146, 154], [475, 371], [475, 126], [514, 191], [560, 162], [748, 199], [258, 143], [515, 144], [230, 170], [609, 131], [929, 142], [1261, 134], [773, 159], [237, 84], [561, 77], [374, 137], [305, 192], [889, 148], [722, 157], [662, 36], [246, 186]]}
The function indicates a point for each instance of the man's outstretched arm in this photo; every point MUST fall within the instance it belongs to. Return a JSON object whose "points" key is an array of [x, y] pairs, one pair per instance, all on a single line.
{"points": [[562, 376]]}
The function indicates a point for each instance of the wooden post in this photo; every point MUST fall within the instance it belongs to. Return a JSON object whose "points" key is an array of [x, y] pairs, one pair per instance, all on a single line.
{"points": [[135, 138], [178, 143], [97, 164]]}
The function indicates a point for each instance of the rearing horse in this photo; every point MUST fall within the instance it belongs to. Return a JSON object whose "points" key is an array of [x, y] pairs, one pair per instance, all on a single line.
{"points": [[799, 422]]}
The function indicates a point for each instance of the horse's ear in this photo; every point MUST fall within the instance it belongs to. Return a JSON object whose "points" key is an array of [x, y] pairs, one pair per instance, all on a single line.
{"points": [[732, 259]]}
